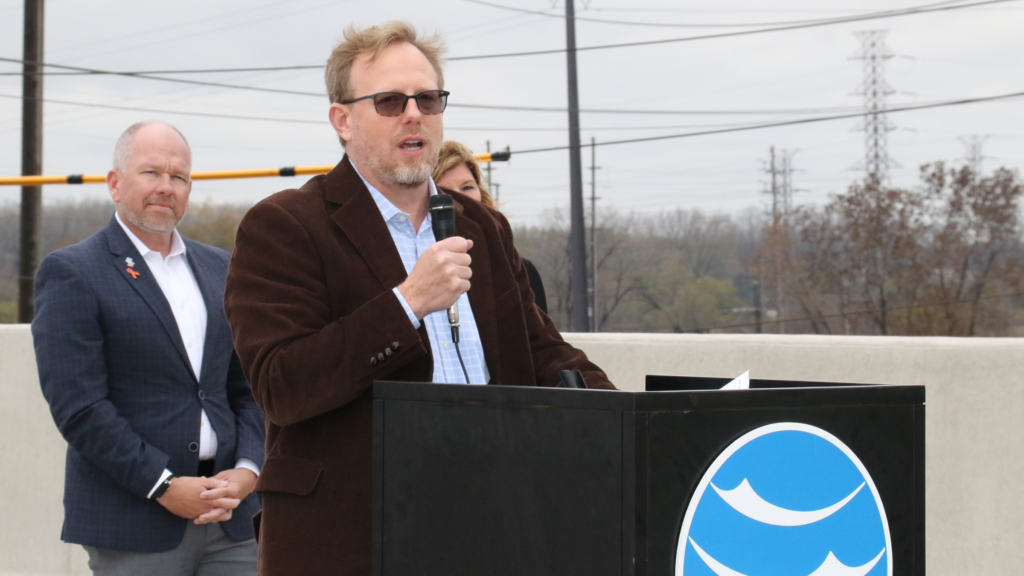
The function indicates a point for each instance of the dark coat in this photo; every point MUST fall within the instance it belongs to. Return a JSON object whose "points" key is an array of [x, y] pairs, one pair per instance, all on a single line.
{"points": [[121, 389], [309, 298]]}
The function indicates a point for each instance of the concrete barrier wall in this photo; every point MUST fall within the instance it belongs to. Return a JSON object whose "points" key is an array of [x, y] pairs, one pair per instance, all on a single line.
{"points": [[31, 470], [975, 423]]}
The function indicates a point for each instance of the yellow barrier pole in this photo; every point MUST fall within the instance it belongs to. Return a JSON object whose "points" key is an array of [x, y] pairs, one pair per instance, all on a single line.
{"points": [[217, 175], [41, 180]]}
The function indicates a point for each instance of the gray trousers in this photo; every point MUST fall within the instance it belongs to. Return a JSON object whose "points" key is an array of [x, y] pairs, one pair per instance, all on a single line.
{"points": [[204, 551]]}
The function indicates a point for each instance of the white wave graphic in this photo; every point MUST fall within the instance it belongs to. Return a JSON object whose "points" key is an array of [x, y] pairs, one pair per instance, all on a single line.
{"points": [[716, 566], [744, 500], [833, 567], [830, 567]]}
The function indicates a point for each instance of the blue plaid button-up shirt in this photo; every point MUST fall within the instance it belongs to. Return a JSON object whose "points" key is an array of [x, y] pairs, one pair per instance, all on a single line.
{"points": [[411, 243]]}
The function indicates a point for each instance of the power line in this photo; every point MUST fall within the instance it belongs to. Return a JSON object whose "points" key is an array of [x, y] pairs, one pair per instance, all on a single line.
{"points": [[301, 121], [150, 76], [738, 10], [172, 112], [658, 112], [892, 14], [164, 27], [198, 71], [671, 25], [739, 128], [456, 104], [175, 80], [789, 122], [292, 10], [876, 15], [589, 128]]}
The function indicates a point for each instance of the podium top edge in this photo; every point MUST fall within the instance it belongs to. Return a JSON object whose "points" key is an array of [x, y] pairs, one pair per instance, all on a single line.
{"points": [[624, 401]]}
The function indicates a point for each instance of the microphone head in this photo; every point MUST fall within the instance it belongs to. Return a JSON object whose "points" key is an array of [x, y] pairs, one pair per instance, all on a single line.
{"points": [[442, 216]]}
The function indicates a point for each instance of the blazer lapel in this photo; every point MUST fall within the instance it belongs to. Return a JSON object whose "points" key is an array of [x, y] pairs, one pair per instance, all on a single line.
{"points": [[481, 289], [360, 220], [358, 217], [214, 301], [141, 279]]}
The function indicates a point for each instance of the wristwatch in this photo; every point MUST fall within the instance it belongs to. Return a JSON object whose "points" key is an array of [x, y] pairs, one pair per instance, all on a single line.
{"points": [[162, 488]]}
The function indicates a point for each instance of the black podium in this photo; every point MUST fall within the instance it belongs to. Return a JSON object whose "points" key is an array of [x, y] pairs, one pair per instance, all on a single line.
{"points": [[794, 478]]}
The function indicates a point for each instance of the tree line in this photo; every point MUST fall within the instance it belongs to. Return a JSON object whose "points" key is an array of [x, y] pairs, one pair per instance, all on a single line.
{"points": [[944, 257]]}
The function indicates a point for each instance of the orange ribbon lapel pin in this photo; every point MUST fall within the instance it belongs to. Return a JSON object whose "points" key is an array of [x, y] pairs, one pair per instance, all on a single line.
{"points": [[131, 264]]}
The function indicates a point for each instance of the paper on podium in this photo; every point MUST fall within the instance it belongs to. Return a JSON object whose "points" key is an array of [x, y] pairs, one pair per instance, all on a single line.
{"points": [[740, 383]]}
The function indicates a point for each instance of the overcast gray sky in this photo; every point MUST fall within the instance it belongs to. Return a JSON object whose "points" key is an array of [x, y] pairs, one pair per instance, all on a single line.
{"points": [[970, 52]]}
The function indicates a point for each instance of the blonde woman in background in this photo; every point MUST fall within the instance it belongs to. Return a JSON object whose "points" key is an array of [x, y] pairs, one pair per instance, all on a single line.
{"points": [[457, 170]]}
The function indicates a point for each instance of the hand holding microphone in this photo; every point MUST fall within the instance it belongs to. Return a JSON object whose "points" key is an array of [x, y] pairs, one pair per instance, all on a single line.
{"points": [[442, 272], [442, 218]]}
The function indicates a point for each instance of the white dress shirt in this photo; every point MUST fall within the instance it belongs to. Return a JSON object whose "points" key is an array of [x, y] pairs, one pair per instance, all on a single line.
{"points": [[179, 286]]}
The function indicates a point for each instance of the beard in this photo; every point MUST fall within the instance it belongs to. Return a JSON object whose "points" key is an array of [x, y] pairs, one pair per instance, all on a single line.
{"points": [[401, 172], [154, 223]]}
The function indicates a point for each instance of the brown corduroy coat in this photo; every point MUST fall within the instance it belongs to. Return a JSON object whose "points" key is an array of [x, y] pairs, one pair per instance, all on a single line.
{"points": [[310, 304]]}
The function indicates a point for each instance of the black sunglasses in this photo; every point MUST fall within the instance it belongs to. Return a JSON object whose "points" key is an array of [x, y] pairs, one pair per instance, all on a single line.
{"points": [[429, 102]]}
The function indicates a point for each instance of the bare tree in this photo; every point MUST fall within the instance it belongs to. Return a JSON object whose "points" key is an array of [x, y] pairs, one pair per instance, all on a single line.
{"points": [[924, 261], [976, 245]]}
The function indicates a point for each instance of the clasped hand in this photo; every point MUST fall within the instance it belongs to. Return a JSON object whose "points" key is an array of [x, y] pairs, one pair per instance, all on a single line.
{"points": [[206, 500], [440, 276]]}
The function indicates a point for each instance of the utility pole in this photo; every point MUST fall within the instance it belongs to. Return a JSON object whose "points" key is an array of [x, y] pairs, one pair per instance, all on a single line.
{"points": [[31, 157], [577, 242], [488, 167], [875, 89], [595, 319]]}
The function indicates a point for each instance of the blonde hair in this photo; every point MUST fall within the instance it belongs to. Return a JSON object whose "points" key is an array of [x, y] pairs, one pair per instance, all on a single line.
{"points": [[373, 41], [451, 155]]}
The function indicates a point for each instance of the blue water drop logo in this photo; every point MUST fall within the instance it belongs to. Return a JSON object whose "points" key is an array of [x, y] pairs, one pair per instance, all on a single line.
{"points": [[785, 499]]}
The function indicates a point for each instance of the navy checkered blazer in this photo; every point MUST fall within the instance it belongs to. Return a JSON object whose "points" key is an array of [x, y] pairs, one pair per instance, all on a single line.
{"points": [[114, 370]]}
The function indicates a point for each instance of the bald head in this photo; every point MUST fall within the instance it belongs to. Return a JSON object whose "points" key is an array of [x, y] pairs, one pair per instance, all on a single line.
{"points": [[151, 181], [125, 146]]}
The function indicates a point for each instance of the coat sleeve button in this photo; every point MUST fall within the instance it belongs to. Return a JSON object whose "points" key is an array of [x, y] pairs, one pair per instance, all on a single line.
{"points": [[388, 352], [394, 345], [373, 360]]}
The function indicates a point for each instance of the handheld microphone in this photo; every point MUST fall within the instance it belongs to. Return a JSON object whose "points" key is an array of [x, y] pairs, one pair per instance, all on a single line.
{"points": [[442, 220]]}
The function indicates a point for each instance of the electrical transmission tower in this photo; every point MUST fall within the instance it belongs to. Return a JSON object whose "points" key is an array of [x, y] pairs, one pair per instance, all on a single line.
{"points": [[974, 158], [786, 189], [780, 169], [875, 89]]}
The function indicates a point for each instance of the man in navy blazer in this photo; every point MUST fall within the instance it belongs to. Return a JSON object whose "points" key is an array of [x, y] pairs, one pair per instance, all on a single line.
{"points": [[137, 364]]}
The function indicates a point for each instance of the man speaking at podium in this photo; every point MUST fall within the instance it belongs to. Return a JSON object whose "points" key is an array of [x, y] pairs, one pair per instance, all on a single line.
{"points": [[341, 283]]}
